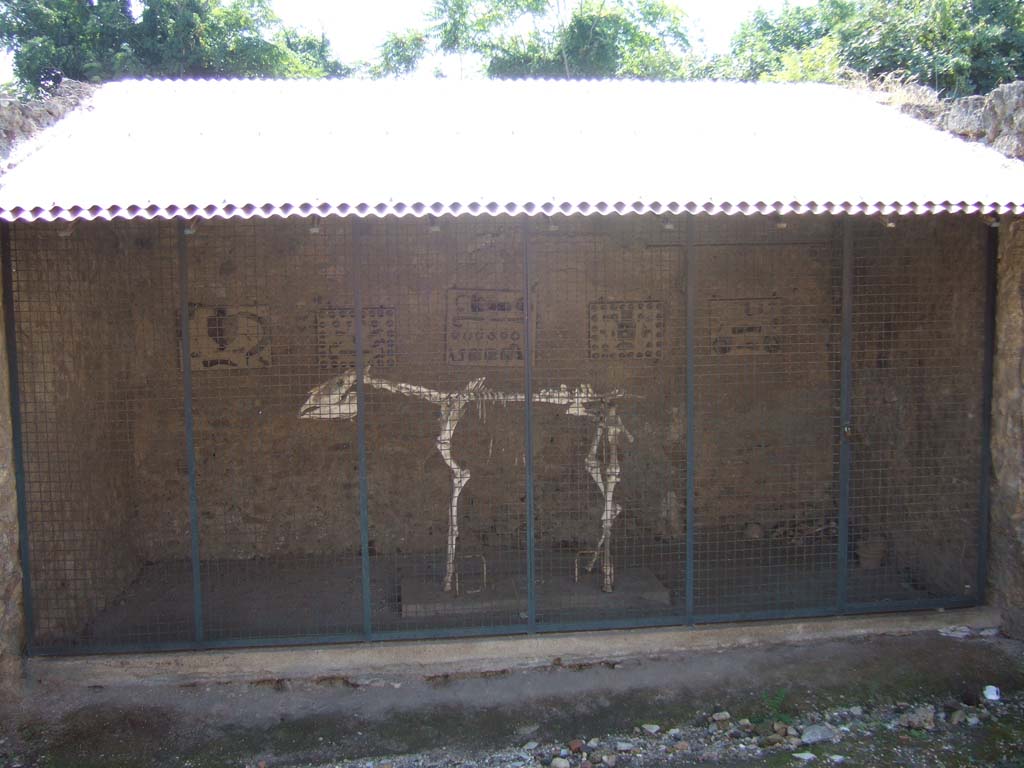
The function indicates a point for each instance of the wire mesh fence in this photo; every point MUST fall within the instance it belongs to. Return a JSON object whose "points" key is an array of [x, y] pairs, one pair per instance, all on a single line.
{"points": [[301, 430], [767, 404]]}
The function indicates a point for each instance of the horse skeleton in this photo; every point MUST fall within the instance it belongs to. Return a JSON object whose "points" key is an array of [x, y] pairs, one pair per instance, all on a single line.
{"points": [[336, 399]]}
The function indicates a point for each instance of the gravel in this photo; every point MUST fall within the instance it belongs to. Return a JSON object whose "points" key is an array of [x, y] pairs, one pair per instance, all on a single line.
{"points": [[878, 735]]}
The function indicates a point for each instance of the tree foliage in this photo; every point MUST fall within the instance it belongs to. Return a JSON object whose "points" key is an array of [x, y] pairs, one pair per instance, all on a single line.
{"points": [[96, 40], [400, 54], [539, 38], [956, 46]]}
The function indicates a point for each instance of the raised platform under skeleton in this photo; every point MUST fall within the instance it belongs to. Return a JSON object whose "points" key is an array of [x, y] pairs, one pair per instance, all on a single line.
{"points": [[634, 588]]}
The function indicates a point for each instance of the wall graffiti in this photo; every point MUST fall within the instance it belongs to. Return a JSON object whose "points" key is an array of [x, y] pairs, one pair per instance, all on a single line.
{"points": [[484, 327], [745, 326], [228, 336], [336, 337], [626, 330]]}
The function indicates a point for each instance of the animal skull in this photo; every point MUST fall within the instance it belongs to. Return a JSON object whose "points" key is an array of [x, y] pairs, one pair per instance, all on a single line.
{"points": [[334, 399]]}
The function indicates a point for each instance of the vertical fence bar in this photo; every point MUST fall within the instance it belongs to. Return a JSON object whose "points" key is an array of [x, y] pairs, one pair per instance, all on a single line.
{"points": [[190, 447], [691, 388], [984, 498], [845, 414], [359, 241], [11, 341], [531, 586]]}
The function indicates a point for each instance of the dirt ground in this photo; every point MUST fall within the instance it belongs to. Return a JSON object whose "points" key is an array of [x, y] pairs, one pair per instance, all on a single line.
{"points": [[911, 700]]}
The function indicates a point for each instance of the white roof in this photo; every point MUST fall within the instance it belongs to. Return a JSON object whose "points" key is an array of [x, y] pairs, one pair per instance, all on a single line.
{"points": [[349, 147]]}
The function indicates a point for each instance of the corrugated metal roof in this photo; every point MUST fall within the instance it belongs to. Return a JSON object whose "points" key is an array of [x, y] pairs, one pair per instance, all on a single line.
{"points": [[247, 149]]}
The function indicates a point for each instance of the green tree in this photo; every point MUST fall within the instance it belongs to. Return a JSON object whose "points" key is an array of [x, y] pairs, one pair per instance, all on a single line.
{"points": [[765, 38], [96, 40], [819, 63], [956, 46], [311, 55], [400, 54], [625, 38], [51, 39]]}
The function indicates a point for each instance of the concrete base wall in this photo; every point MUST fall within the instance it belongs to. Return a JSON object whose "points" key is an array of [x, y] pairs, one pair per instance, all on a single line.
{"points": [[479, 655]]}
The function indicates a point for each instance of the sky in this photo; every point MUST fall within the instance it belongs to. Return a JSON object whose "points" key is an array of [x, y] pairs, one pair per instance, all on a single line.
{"points": [[356, 27]]}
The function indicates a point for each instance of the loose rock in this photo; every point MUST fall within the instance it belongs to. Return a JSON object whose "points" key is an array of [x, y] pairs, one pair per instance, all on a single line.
{"points": [[922, 718], [624, 746], [959, 633], [804, 756], [560, 762], [651, 728], [814, 734]]}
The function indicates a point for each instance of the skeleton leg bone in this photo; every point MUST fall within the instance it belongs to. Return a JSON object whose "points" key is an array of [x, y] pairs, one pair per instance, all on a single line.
{"points": [[592, 463], [460, 476], [593, 466], [606, 481], [451, 412]]}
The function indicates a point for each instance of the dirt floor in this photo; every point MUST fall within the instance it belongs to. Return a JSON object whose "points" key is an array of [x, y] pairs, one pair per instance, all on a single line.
{"points": [[916, 700]]}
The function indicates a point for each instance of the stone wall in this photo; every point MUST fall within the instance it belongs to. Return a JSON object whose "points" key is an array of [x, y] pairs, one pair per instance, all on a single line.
{"points": [[21, 119], [1007, 535], [996, 119], [11, 614]]}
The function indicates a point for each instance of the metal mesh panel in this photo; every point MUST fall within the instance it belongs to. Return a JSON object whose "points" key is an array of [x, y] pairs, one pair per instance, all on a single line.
{"points": [[94, 309], [278, 518], [610, 470], [366, 464], [444, 423], [919, 295], [767, 407]]}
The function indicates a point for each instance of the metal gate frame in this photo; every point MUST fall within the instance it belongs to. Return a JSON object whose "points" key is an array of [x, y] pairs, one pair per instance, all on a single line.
{"points": [[687, 615]]}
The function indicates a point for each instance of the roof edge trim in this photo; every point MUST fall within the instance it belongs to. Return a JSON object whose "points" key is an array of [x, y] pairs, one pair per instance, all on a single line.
{"points": [[421, 210]]}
